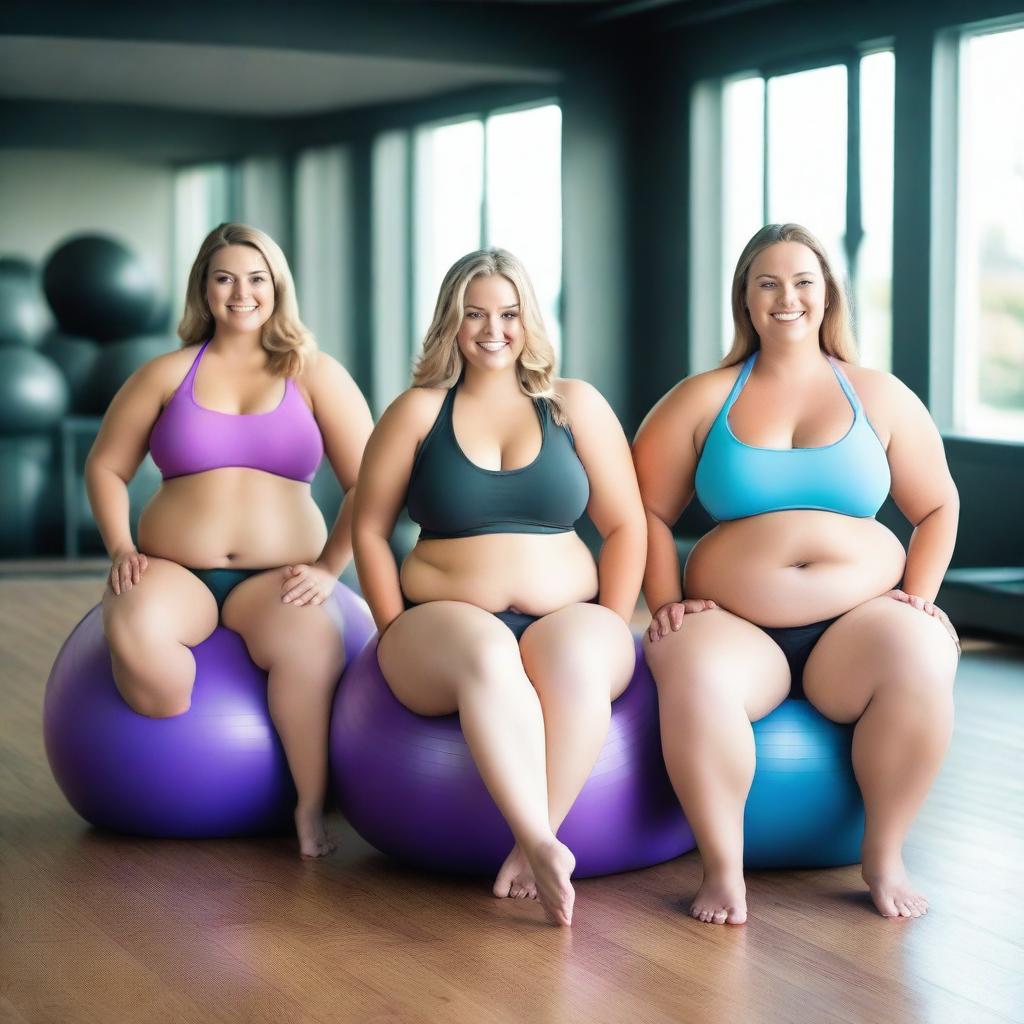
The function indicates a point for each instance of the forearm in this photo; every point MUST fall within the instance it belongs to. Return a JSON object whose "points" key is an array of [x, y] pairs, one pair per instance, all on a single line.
{"points": [[930, 549], [108, 497], [662, 582], [620, 569], [337, 552], [378, 578]]}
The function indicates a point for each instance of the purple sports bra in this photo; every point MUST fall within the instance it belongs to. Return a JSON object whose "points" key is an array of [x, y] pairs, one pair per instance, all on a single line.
{"points": [[188, 438]]}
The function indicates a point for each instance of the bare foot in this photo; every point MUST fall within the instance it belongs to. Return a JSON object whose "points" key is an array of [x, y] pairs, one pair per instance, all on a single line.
{"points": [[891, 890], [553, 864], [313, 838], [721, 899], [515, 877]]}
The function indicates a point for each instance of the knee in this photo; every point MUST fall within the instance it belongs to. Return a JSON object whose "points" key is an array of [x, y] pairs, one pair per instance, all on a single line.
{"points": [[156, 703], [133, 631], [495, 660], [696, 684]]}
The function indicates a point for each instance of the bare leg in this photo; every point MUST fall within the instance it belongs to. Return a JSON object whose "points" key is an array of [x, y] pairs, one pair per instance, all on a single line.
{"points": [[302, 653], [890, 668], [478, 671], [715, 676], [150, 629], [579, 660]]}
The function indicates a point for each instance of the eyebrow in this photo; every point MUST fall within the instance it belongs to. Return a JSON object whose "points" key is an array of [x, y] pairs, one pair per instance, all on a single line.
{"points": [[230, 273], [799, 273], [469, 305]]}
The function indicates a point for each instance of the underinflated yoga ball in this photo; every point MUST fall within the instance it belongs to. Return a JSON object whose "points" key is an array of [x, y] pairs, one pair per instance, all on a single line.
{"points": [[804, 809], [409, 786], [217, 770], [97, 288]]}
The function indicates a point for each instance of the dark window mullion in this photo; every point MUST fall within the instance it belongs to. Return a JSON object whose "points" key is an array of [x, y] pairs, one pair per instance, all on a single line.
{"points": [[766, 148], [854, 234]]}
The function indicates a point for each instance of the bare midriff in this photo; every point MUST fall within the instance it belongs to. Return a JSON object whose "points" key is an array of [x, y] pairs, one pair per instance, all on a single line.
{"points": [[233, 518], [531, 573], [793, 568]]}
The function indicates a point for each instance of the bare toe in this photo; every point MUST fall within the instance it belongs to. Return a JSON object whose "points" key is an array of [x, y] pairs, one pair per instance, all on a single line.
{"points": [[553, 864]]}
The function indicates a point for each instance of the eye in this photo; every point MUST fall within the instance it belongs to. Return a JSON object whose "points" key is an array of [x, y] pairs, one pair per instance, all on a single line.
{"points": [[805, 282], [473, 314], [767, 284], [258, 279], [222, 279], [510, 314]]}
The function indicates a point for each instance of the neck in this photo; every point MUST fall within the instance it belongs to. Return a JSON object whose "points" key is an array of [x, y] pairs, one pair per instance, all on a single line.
{"points": [[790, 360], [237, 345], [491, 385]]}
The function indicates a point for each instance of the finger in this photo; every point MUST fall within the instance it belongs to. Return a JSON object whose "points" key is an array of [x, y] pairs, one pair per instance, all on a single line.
{"points": [[136, 572], [303, 589], [115, 584], [292, 582], [306, 597], [652, 633], [143, 563], [929, 608], [675, 616], [125, 573]]}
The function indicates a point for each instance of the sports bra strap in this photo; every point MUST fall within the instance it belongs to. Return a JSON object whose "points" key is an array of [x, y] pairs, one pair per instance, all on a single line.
{"points": [[845, 384], [741, 379]]}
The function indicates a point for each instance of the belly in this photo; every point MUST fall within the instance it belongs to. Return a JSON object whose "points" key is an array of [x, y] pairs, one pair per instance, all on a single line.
{"points": [[796, 567], [233, 517], [531, 573]]}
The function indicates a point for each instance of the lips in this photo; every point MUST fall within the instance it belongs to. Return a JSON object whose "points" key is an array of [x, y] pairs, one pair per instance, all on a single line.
{"points": [[242, 309], [787, 318], [493, 346]]}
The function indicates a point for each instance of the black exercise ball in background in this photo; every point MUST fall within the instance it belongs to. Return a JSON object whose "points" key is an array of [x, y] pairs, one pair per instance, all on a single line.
{"points": [[75, 357], [116, 362], [97, 288], [33, 393], [23, 313]]}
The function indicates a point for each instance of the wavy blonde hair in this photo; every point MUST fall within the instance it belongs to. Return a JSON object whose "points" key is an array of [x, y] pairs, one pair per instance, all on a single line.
{"points": [[288, 342], [440, 364], [836, 335]]}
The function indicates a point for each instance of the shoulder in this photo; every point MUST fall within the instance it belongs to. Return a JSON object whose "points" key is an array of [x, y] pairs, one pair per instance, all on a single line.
{"points": [[696, 398], [578, 395], [882, 394], [323, 372], [415, 409], [166, 372]]}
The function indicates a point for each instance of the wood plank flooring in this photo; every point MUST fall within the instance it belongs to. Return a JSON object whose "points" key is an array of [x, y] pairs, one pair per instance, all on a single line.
{"points": [[104, 928]]}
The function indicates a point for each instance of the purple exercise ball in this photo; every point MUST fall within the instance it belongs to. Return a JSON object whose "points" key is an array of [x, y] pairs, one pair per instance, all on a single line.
{"points": [[409, 786], [217, 770]]}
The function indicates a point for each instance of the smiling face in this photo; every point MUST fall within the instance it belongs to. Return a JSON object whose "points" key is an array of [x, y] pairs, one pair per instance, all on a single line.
{"points": [[239, 289], [785, 294], [491, 335]]}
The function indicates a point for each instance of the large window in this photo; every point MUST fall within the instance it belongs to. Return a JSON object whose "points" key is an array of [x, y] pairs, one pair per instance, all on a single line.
{"points": [[814, 147], [492, 181], [988, 293]]}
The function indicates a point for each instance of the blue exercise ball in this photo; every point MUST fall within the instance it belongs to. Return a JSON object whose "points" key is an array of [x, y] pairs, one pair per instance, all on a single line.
{"points": [[804, 809], [97, 288]]}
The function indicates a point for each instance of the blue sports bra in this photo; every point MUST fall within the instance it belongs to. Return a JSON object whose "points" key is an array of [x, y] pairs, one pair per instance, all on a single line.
{"points": [[735, 480]]}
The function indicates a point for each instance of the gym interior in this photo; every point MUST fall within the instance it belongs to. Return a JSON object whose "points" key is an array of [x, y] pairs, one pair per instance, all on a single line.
{"points": [[625, 150]]}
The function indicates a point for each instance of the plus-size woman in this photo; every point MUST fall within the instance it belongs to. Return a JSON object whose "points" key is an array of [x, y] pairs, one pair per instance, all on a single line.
{"points": [[499, 612], [798, 589], [237, 421]]}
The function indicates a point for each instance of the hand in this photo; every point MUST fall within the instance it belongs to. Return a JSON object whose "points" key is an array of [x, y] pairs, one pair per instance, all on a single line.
{"points": [[127, 569], [929, 609], [306, 584], [669, 617]]}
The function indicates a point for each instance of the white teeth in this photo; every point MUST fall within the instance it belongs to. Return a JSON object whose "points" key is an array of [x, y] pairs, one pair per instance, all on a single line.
{"points": [[492, 346], [241, 309], [787, 316]]}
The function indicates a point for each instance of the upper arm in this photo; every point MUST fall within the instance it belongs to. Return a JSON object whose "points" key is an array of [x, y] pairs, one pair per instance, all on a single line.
{"points": [[342, 415], [921, 481], [665, 452], [123, 437], [604, 451], [389, 456]]}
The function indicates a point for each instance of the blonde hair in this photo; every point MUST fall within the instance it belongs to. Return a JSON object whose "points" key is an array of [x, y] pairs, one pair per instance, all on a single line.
{"points": [[836, 335], [289, 344], [440, 364]]}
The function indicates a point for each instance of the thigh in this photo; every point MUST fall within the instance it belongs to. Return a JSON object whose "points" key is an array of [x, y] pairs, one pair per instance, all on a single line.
{"points": [[720, 651], [429, 651], [273, 630], [877, 641], [581, 639], [169, 599]]}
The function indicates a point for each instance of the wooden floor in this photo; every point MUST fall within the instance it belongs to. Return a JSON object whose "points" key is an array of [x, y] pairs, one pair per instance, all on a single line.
{"points": [[96, 927]]}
